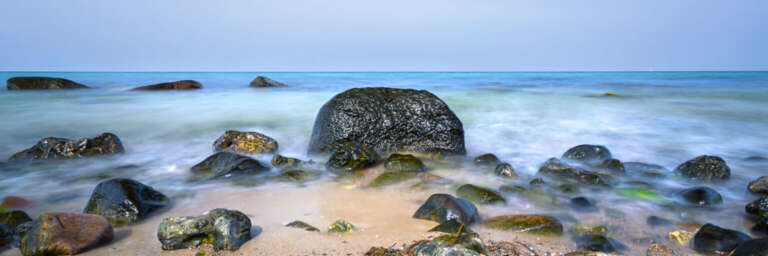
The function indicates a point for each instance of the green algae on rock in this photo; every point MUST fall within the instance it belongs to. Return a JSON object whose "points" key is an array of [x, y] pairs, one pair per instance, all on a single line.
{"points": [[124, 201], [340, 226], [479, 195], [643, 194], [285, 163], [65, 234], [245, 143], [351, 157], [404, 163], [534, 224], [759, 186], [41, 83], [60, 148], [226, 165], [222, 228], [302, 225], [557, 169]]}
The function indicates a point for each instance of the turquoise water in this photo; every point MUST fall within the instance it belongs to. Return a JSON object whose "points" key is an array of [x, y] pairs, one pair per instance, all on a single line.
{"points": [[660, 117]]}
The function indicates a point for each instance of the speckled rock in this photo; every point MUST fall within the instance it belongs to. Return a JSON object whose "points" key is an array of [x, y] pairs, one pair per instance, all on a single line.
{"points": [[177, 85], [226, 165], [505, 170], [60, 148], [124, 201], [222, 228], [590, 154], [285, 163], [40, 83], [65, 234], [758, 207], [245, 143], [705, 168]]}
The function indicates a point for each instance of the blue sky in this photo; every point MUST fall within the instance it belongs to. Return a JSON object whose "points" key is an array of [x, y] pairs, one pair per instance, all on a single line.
{"points": [[403, 35]]}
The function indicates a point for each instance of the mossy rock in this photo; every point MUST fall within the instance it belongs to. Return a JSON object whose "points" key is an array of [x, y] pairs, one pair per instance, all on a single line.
{"points": [[53, 148], [297, 176], [381, 251], [486, 160], [705, 169], [340, 226], [469, 240], [351, 157], [480, 195], [586, 229], [245, 143], [759, 186], [404, 163], [65, 234], [599, 243], [285, 163], [536, 195], [611, 166], [534, 224], [441, 248], [557, 169], [452, 227], [222, 228], [389, 178], [642, 194], [124, 201], [302, 225]]}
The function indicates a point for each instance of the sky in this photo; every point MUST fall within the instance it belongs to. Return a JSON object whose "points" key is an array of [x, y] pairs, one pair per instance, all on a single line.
{"points": [[392, 35]]}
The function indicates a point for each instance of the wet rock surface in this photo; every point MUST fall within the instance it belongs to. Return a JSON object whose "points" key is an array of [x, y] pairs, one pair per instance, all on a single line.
{"points": [[404, 163], [701, 196], [263, 82], [177, 85], [245, 143], [582, 204], [388, 120], [599, 243], [340, 226], [590, 154], [222, 228], [754, 247], [65, 234], [41, 83], [759, 186], [480, 195], [226, 165], [534, 224], [505, 170], [444, 207], [705, 169], [658, 221], [486, 160], [712, 239], [758, 207], [351, 157], [389, 178], [124, 201], [60, 148], [302, 225], [557, 169]]}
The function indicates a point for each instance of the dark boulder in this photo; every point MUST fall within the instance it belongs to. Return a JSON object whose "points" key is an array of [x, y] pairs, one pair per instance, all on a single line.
{"points": [[701, 196], [443, 207], [589, 154], [40, 83], [245, 143], [178, 85], [351, 157], [754, 247], [18, 222], [713, 239], [222, 228], [226, 165], [404, 163], [480, 195], [486, 160], [263, 81], [124, 201], [705, 168], [758, 207], [60, 148], [759, 186], [388, 120], [582, 204], [66, 234]]}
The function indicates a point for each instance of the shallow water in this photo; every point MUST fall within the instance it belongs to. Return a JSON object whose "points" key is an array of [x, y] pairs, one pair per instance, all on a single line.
{"points": [[663, 118]]}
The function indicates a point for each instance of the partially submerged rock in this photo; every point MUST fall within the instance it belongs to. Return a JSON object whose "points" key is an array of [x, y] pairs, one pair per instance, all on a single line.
{"points": [[285, 163], [654, 221], [389, 178], [40, 83], [701, 196], [557, 169], [534, 224], [404, 163], [351, 157], [754, 247], [177, 85], [759, 186], [124, 201], [441, 248], [66, 234], [227, 165], [60, 148], [712, 239], [388, 120], [297, 176], [599, 243], [222, 228], [486, 160], [660, 250], [611, 166], [758, 207], [505, 170], [18, 222], [263, 81], [443, 207], [302, 225], [582, 204], [589, 154], [340, 226], [245, 143], [479, 194], [705, 168], [680, 237], [6, 236]]}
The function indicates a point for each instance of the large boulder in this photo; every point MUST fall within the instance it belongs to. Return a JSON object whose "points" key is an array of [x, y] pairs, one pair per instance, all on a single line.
{"points": [[40, 83], [178, 85], [66, 234], [388, 120], [124, 201], [60, 148], [245, 143], [713, 239], [222, 228], [226, 165], [444, 207], [263, 81], [704, 168]]}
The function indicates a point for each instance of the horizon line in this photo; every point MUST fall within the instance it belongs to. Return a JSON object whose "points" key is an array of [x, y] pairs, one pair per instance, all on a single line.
{"points": [[372, 71]]}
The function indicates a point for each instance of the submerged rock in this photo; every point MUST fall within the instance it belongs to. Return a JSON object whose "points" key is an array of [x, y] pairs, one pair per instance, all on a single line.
{"points": [[444, 207], [486, 160], [534, 224], [479, 195], [6, 236], [704, 168], [351, 157], [404, 163], [599, 243], [758, 207], [505, 170], [14, 219], [60, 148], [557, 169], [754, 247], [302, 225], [761, 225], [124, 201], [15, 202], [582, 204], [759, 186], [222, 228], [65, 234], [177, 85], [612, 167], [263, 81], [712, 239], [658, 221], [297, 176], [226, 165], [701, 196], [389, 178], [340, 226], [589, 154], [388, 120], [245, 143], [40, 83], [585, 229], [285, 163]]}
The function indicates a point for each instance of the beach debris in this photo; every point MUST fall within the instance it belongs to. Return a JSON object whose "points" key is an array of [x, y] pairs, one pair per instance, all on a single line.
{"points": [[61, 148], [177, 85], [222, 228], [65, 234], [124, 201], [704, 168]]}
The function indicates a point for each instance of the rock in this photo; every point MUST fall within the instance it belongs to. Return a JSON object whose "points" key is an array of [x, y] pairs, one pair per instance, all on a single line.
{"points": [[589, 154], [6, 236], [15, 221], [451, 227], [754, 247], [609, 94], [388, 120], [178, 85], [705, 168], [612, 167], [638, 167], [245, 143], [582, 204], [226, 165], [351, 157], [263, 81], [658, 221], [537, 195], [404, 163], [60, 148], [756, 158], [15, 202], [381, 251], [537, 182], [124, 201], [486, 160], [680, 237], [470, 241], [712, 239], [534, 224], [222, 228], [302, 225], [444, 207], [297, 176], [758, 207], [480, 195], [65, 234], [580, 230], [441, 248], [761, 225], [389, 178], [660, 250], [701, 196], [599, 243], [340, 226], [285, 163], [39, 83], [557, 169], [505, 170], [759, 186]]}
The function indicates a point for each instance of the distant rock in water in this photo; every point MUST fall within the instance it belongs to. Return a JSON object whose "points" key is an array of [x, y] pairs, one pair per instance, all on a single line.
{"points": [[222, 228], [705, 168], [226, 165], [66, 234], [178, 85], [388, 120], [41, 83], [263, 81], [590, 154], [245, 143], [701, 196], [60, 148], [712, 239], [124, 201]]}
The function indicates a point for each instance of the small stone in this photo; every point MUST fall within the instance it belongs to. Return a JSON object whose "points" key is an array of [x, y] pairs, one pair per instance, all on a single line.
{"points": [[53, 148], [582, 204], [302, 225], [680, 237], [612, 167], [340, 226], [701, 196], [444, 207], [486, 160], [505, 170], [245, 143], [65, 234], [17, 221], [660, 250], [589, 154], [297, 176], [15, 202], [285, 163], [759, 186], [389, 178], [599, 243], [404, 163]]}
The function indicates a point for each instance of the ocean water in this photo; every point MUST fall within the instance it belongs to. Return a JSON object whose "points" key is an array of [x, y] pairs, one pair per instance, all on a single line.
{"points": [[524, 118]]}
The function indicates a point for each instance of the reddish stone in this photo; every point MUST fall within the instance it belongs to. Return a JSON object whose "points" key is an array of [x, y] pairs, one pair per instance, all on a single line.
{"points": [[66, 234], [178, 85], [15, 202]]}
